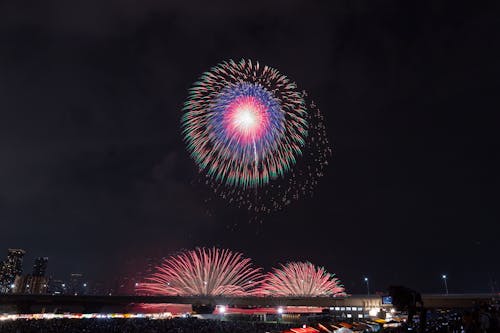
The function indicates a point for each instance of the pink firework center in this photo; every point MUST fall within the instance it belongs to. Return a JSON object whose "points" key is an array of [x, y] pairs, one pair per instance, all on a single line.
{"points": [[246, 120]]}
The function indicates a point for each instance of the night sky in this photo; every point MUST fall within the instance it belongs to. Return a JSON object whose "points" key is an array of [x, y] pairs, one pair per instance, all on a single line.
{"points": [[94, 173]]}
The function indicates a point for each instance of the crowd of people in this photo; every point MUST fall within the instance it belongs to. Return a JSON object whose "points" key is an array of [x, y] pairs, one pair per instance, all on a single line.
{"points": [[138, 325], [483, 319]]}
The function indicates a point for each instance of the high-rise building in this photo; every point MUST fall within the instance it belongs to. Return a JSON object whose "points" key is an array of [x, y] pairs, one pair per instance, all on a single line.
{"points": [[29, 284], [40, 266], [76, 284], [12, 267]]}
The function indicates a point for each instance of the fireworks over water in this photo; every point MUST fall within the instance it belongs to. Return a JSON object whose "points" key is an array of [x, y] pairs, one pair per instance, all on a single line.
{"points": [[203, 272], [252, 133]]}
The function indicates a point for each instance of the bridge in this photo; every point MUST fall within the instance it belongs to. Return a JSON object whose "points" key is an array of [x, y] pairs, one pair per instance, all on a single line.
{"points": [[95, 304]]}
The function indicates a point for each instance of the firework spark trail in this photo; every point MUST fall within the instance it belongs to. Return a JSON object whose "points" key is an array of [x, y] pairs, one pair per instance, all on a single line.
{"points": [[204, 272], [300, 279]]}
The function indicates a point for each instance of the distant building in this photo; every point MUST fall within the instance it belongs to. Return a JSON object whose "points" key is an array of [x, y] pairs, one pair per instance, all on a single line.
{"points": [[125, 285], [11, 267], [57, 287], [77, 286], [98, 288], [40, 266], [29, 284]]}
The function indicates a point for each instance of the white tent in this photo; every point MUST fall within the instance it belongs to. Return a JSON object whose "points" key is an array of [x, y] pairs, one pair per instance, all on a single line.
{"points": [[343, 330]]}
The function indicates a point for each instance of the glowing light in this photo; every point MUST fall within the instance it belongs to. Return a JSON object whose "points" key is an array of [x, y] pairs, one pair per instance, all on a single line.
{"points": [[301, 279], [203, 272], [222, 309], [280, 310], [246, 120], [374, 312]]}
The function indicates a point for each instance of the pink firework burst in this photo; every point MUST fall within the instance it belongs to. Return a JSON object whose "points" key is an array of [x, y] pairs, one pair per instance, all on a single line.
{"points": [[246, 120], [207, 272], [301, 279]]}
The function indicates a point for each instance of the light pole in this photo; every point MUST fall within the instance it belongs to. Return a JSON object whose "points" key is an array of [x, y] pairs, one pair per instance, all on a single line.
{"points": [[445, 278], [367, 285]]}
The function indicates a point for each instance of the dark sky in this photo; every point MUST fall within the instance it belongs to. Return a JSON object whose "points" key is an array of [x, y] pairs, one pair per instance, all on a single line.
{"points": [[94, 173]]}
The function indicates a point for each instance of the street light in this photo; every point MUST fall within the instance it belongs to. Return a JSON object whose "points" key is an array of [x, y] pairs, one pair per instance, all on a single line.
{"points": [[445, 278], [367, 285], [222, 311], [280, 312]]}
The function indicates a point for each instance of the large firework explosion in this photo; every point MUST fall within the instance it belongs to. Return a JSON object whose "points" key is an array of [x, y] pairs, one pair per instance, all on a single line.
{"points": [[301, 279], [207, 272], [258, 141]]}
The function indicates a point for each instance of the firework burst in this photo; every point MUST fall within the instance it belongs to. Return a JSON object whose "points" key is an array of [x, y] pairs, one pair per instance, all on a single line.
{"points": [[254, 135], [207, 272], [245, 124], [301, 279]]}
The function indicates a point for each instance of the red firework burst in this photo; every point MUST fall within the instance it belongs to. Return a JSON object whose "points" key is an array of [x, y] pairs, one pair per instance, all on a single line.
{"points": [[207, 272], [301, 279]]}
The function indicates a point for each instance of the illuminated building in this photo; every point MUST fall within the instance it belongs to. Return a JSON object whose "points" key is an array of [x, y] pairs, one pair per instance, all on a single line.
{"points": [[29, 284], [57, 287], [76, 284], [40, 266], [11, 267]]}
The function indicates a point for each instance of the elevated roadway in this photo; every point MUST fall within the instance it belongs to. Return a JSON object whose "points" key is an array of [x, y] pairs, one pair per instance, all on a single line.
{"points": [[84, 303]]}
